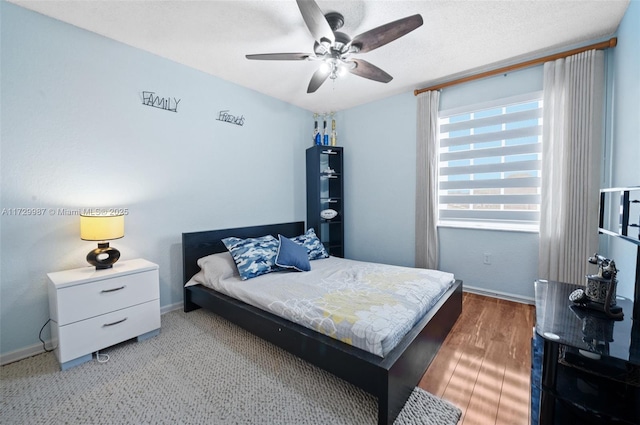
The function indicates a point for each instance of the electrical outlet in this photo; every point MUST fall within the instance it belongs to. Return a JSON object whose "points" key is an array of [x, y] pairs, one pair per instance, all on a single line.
{"points": [[486, 258]]}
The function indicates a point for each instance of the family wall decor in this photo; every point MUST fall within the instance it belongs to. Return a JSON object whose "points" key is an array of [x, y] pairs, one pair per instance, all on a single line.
{"points": [[149, 98]]}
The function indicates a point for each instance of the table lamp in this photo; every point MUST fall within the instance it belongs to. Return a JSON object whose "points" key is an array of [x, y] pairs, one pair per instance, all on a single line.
{"points": [[102, 228]]}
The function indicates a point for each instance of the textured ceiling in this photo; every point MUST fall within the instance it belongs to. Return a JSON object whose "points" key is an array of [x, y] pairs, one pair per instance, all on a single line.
{"points": [[458, 36]]}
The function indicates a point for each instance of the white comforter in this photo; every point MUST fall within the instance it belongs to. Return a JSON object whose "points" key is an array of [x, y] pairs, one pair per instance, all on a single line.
{"points": [[367, 305]]}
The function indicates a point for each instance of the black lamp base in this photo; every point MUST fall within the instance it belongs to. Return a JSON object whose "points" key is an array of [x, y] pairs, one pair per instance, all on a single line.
{"points": [[103, 257]]}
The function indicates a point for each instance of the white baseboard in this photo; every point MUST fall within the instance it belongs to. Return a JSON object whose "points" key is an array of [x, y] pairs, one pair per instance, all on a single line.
{"points": [[36, 349], [22, 353], [167, 308], [499, 294]]}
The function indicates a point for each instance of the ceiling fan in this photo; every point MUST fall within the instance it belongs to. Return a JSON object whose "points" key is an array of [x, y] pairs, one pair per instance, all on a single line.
{"points": [[334, 48]]}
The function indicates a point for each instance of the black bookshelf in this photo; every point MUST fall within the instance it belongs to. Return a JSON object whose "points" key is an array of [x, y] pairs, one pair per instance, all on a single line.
{"points": [[325, 191]]}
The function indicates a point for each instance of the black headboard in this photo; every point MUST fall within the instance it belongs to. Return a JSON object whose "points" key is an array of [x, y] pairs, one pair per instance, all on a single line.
{"points": [[196, 245]]}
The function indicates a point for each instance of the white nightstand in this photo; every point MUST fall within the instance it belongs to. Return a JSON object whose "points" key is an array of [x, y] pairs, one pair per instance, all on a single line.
{"points": [[93, 309]]}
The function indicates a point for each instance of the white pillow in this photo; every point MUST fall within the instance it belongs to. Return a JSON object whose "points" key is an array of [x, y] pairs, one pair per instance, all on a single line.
{"points": [[197, 279], [213, 268]]}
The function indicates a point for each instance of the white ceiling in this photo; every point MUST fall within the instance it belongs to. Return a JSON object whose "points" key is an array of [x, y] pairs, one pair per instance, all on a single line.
{"points": [[458, 37]]}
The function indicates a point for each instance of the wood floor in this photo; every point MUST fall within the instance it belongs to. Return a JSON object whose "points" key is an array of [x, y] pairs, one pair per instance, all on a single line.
{"points": [[484, 364]]}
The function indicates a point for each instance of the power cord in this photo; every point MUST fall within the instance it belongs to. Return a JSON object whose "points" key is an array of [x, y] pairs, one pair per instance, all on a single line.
{"points": [[42, 340], [102, 358]]}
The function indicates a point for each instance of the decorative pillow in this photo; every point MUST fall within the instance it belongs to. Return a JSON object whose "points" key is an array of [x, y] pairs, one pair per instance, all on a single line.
{"points": [[315, 248], [292, 255], [253, 256]]}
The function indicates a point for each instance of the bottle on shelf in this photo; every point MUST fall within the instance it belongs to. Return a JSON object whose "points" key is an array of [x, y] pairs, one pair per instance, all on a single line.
{"points": [[334, 135], [325, 132], [316, 133]]}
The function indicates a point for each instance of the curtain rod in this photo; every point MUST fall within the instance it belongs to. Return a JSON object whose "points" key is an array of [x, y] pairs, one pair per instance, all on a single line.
{"points": [[598, 46]]}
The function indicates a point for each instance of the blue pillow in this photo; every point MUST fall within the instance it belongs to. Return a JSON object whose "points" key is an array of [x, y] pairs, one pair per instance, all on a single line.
{"points": [[315, 248], [253, 256], [292, 256]]}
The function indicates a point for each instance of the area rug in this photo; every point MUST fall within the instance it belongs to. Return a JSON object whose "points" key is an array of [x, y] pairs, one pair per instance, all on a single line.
{"points": [[201, 369]]}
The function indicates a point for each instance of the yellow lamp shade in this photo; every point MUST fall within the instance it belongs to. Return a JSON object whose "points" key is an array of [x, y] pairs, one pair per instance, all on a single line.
{"points": [[101, 227]]}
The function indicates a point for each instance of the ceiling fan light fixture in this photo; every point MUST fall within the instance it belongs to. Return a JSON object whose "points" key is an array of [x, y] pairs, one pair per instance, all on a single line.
{"points": [[335, 67], [332, 48]]}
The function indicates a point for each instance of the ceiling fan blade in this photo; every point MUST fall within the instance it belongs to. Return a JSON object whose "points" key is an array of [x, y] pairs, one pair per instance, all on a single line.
{"points": [[384, 34], [319, 77], [279, 56], [315, 20], [366, 70]]}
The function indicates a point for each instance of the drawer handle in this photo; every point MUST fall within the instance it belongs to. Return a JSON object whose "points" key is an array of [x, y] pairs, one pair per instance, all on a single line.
{"points": [[114, 323], [113, 290]]}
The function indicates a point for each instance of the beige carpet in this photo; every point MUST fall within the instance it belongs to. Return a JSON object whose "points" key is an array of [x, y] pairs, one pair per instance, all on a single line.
{"points": [[201, 369]]}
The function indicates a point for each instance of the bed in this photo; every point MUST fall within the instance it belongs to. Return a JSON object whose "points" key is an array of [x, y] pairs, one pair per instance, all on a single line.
{"points": [[390, 379]]}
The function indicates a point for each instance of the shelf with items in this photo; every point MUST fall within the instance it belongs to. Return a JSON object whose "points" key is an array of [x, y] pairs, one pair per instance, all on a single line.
{"points": [[334, 204], [325, 198], [584, 367]]}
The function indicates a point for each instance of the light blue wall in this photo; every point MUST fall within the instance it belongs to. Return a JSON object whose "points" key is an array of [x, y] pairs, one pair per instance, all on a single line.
{"points": [[379, 161], [487, 89], [75, 134], [625, 145]]}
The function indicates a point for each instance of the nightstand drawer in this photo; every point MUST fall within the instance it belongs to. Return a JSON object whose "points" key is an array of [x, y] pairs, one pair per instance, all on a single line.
{"points": [[108, 329], [79, 302]]}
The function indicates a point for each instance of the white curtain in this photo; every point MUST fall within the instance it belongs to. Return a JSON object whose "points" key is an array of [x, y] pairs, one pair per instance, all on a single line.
{"points": [[572, 146], [427, 180]]}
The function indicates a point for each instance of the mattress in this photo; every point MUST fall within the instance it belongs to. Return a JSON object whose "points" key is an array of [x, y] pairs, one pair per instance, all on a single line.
{"points": [[367, 305]]}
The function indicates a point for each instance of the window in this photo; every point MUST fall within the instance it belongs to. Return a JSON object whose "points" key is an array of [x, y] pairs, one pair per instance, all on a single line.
{"points": [[490, 160]]}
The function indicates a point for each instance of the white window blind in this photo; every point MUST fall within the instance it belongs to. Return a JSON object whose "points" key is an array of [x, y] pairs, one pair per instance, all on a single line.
{"points": [[490, 161]]}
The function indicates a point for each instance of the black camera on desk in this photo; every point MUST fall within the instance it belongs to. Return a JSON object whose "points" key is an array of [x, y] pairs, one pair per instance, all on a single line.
{"points": [[600, 292]]}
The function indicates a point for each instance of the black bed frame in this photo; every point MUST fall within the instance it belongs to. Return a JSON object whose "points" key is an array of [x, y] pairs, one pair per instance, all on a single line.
{"points": [[391, 379]]}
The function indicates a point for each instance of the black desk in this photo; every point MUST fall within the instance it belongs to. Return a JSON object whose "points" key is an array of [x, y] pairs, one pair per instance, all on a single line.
{"points": [[585, 367]]}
